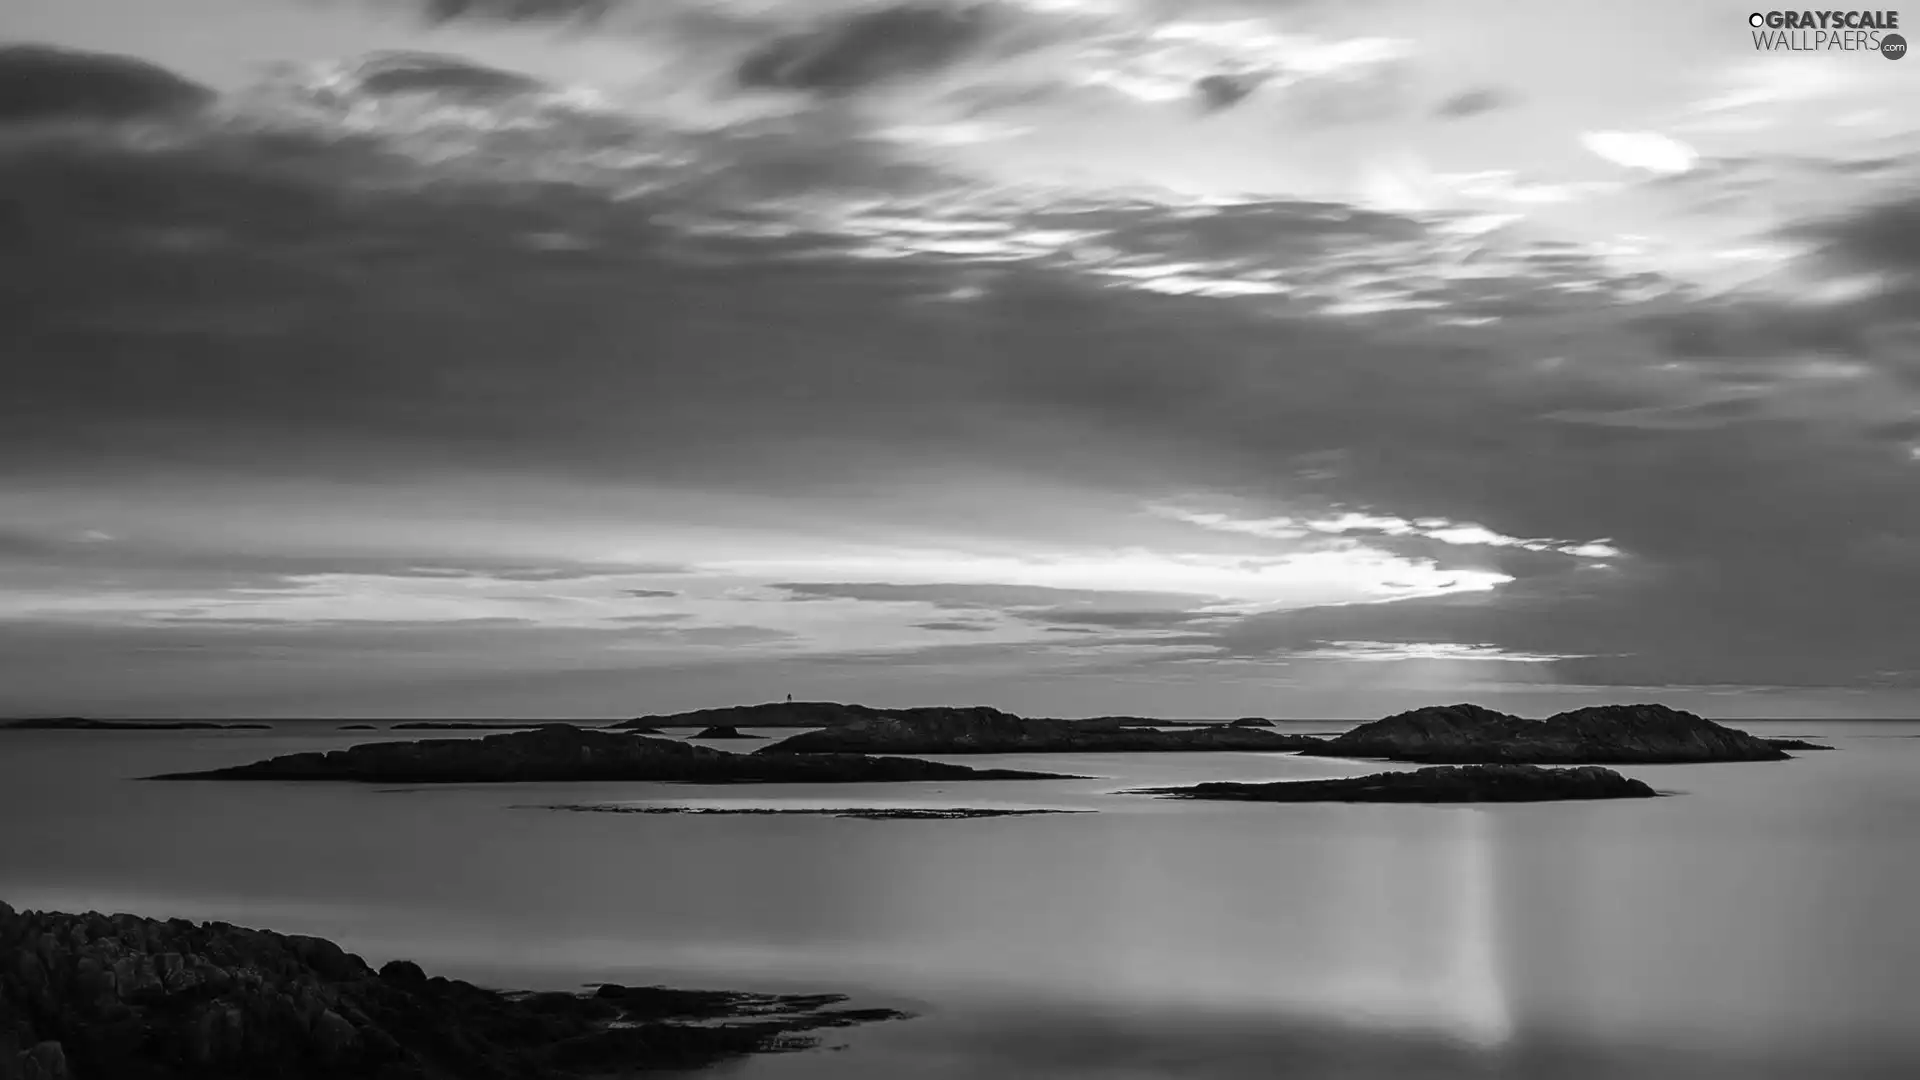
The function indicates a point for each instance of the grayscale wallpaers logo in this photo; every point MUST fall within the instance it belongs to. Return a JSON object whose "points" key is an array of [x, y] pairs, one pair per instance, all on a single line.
{"points": [[1824, 31]]}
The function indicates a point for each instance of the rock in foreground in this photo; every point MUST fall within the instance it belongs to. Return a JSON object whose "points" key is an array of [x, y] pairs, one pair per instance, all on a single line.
{"points": [[990, 731], [1603, 734], [96, 997], [561, 752], [1441, 784]]}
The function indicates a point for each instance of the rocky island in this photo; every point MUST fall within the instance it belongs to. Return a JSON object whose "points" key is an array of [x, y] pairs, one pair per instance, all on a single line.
{"points": [[1440, 784], [562, 752], [1602, 734], [119, 997], [724, 732], [870, 813], [990, 731], [81, 723]]}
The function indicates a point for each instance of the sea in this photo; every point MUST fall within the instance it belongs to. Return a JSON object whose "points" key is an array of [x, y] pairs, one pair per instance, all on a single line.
{"points": [[1759, 921]]}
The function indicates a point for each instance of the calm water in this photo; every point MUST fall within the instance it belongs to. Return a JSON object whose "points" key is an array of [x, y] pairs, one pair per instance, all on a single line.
{"points": [[1760, 924]]}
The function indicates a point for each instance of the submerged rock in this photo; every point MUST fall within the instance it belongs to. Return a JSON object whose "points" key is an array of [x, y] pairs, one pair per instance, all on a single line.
{"points": [[1440, 784], [562, 752], [1603, 734], [97, 997], [990, 731]]}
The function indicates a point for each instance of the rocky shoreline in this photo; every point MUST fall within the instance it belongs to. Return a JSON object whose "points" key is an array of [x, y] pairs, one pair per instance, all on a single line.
{"points": [[562, 752], [1439, 784], [120, 997]]}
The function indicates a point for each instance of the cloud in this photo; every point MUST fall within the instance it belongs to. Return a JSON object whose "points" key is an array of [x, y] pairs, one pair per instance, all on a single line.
{"points": [[648, 593], [1474, 102], [857, 49], [1643, 150], [40, 83]]}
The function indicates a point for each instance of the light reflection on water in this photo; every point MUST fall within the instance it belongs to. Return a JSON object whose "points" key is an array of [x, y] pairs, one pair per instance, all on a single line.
{"points": [[1754, 925]]}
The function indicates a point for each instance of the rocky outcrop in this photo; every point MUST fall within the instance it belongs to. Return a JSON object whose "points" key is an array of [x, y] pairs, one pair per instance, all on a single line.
{"points": [[1252, 721], [990, 731], [562, 752], [81, 723], [1604, 734], [118, 997], [1440, 784], [724, 732]]}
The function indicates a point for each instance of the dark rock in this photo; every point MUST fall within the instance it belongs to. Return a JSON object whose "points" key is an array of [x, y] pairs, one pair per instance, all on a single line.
{"points": [[301, 1008], [80, 723], [561, 752], [1443, 784], [1252, 721], [724, 732], [402, 971], [990, 731], [357, 727], [1605, 734]]}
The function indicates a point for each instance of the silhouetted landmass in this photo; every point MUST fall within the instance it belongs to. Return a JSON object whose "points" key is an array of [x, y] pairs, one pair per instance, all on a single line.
{"points": [[990, 731], [97, 997], [724, 732], [80, 723], [1795, 744], [1440, 784], [820, 714], [40, 82], [358, 727], [1252, 721], [466, 725], [562, 752], [1602, 734], [875, 813]]}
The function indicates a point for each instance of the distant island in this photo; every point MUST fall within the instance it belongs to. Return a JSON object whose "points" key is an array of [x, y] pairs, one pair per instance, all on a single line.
{"points": [[81, 723], [95, 996], [466, 725], [562, 752], [980, 730], [1439, 784], [724, 732], [871, 813], [1599, 735], [822, 714]]}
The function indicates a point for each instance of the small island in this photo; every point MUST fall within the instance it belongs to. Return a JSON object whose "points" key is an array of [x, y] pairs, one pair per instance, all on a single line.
{"points": [[724, 732], [99, 996], [870, 813], [1439, 784], [562, 752], [1600, 735], [81, 723], [466, 725], [989, 731]]}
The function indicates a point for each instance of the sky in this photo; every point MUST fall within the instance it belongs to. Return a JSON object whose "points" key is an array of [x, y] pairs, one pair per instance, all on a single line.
{"points": [[595, 358]]}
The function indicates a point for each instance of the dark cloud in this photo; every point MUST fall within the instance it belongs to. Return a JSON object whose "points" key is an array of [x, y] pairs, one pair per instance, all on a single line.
{"points": [[39, 82], [1122, 620], [955, 627], [430, 73], [650, 592], [1474, 102], [858, 49], [516, 10]]}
